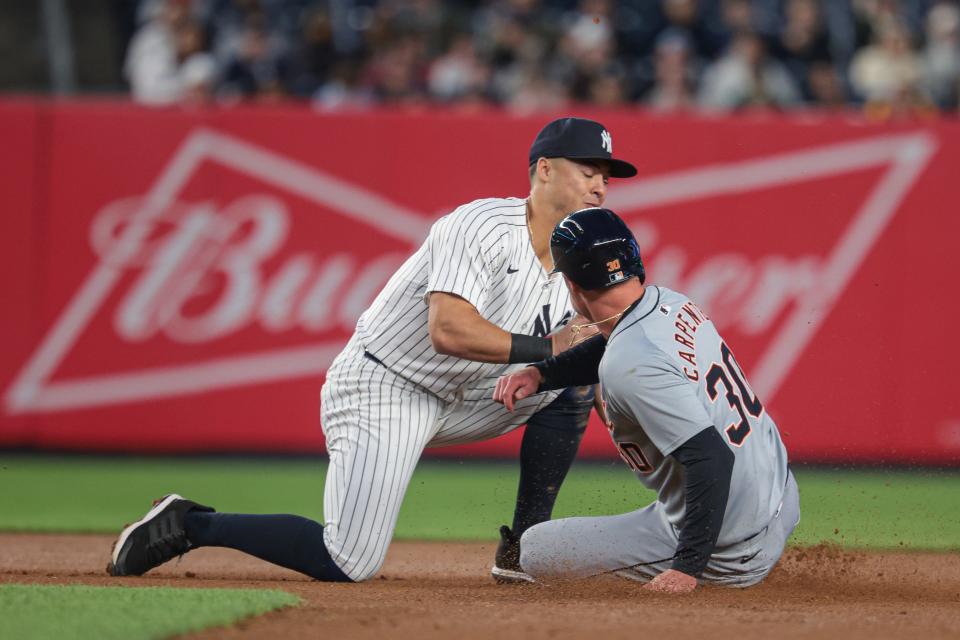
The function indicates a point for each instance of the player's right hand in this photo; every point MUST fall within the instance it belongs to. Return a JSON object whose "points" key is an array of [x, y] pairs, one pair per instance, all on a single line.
{"points": [[517, 386], [672, 581]]}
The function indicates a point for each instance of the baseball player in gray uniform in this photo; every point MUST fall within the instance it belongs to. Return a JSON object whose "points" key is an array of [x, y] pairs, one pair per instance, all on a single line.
{"points": [[472, 303], [682, 415]]}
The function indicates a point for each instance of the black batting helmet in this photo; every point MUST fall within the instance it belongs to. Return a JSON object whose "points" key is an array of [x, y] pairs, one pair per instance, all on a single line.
{"points": [[595, 249]]}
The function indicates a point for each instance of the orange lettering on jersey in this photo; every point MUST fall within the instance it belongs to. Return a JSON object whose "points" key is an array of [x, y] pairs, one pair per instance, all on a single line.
{"points": [[686, 337], [695, 312], [685, 326], [695, 318], [685, 341], [605, 415]]}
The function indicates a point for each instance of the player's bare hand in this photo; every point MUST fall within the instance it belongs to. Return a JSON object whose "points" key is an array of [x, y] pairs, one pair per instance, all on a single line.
{"points": [[672, 581], [517, 386], [569, 335]]}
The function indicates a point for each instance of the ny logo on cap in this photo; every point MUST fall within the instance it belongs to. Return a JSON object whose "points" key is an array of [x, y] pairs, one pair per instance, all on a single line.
{"points": [[606, 141]]}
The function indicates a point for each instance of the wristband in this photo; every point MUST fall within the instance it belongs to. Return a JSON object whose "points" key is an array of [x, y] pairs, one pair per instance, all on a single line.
{"points": [[529, 348]]}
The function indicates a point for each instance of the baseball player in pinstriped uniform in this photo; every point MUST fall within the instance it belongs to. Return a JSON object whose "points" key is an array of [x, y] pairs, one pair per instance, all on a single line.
{"points": [[682, 415], [473, 301]]}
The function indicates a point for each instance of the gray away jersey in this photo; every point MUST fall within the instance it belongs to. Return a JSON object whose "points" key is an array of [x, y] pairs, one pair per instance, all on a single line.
{"points": [[666, 375], [482, 253]]}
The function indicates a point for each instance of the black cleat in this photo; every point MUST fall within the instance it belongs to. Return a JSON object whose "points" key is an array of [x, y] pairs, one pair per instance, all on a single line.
{"points": [[157, 537], [506, 567]]}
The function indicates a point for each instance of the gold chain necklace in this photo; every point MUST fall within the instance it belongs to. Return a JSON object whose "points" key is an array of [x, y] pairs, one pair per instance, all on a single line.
{"points": [[575, 329]]}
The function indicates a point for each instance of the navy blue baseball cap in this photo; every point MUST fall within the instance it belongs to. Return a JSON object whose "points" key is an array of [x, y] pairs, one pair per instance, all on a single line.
{"points": [[579, 139]]}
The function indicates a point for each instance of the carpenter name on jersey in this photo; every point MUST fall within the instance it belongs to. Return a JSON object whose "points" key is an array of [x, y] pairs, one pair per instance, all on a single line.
{"points": [[666, 375], [482, 253]]}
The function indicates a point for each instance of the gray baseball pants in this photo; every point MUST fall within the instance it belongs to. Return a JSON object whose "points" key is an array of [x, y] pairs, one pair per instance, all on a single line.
{"points": [[640, 545]]}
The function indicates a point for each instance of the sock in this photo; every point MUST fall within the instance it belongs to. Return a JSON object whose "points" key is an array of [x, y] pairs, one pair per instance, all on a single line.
{"points": [[550, 442], [289, 541]]}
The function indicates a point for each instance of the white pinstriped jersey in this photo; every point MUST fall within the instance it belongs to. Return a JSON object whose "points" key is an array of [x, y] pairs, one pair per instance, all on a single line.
{"points": [[482, 253]]}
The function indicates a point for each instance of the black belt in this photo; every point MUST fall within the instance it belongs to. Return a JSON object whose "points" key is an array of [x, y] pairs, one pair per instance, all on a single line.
{"points": [[370, 356]]}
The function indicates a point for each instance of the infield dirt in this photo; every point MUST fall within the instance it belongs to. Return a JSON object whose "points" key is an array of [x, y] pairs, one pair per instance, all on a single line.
{"points": [[443, 590]]}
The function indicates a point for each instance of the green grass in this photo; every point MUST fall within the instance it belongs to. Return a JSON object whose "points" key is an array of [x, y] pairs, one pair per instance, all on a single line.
{"points": [[75, 611], [453, 501]]}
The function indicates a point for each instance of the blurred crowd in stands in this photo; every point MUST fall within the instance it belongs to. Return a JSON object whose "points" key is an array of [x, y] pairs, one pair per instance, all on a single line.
{"points": [[890, 58]]}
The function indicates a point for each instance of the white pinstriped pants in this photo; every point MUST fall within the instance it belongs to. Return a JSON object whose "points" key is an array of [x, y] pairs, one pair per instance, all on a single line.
{"points": [[376, 425]]}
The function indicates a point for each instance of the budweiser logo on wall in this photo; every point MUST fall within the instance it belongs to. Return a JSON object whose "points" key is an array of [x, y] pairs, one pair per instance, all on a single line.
{"points": [[242, 289], [223, 274]]}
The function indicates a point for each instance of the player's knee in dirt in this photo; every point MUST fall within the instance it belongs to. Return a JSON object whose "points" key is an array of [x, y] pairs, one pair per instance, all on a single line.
{"points": [[359, 559], [536, 557]]}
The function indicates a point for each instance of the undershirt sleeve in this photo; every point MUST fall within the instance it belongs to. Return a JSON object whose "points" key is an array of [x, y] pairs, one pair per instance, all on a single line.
{"points": [[574, 367], [708, 463]]}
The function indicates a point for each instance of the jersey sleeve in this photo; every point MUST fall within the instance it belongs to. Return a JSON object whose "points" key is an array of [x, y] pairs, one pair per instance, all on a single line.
{"points": [[655, 395], [459, 260]]}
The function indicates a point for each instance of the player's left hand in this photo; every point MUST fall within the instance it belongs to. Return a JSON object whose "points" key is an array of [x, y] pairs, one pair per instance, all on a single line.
{"points": [[672, 581]]}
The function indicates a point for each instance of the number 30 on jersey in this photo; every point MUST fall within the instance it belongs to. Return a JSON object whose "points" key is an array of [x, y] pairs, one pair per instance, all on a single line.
{"points": [[738, 394]]}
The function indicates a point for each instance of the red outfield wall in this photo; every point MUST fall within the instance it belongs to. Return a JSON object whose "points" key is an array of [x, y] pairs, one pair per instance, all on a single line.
{"points": [[179, 280]]}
